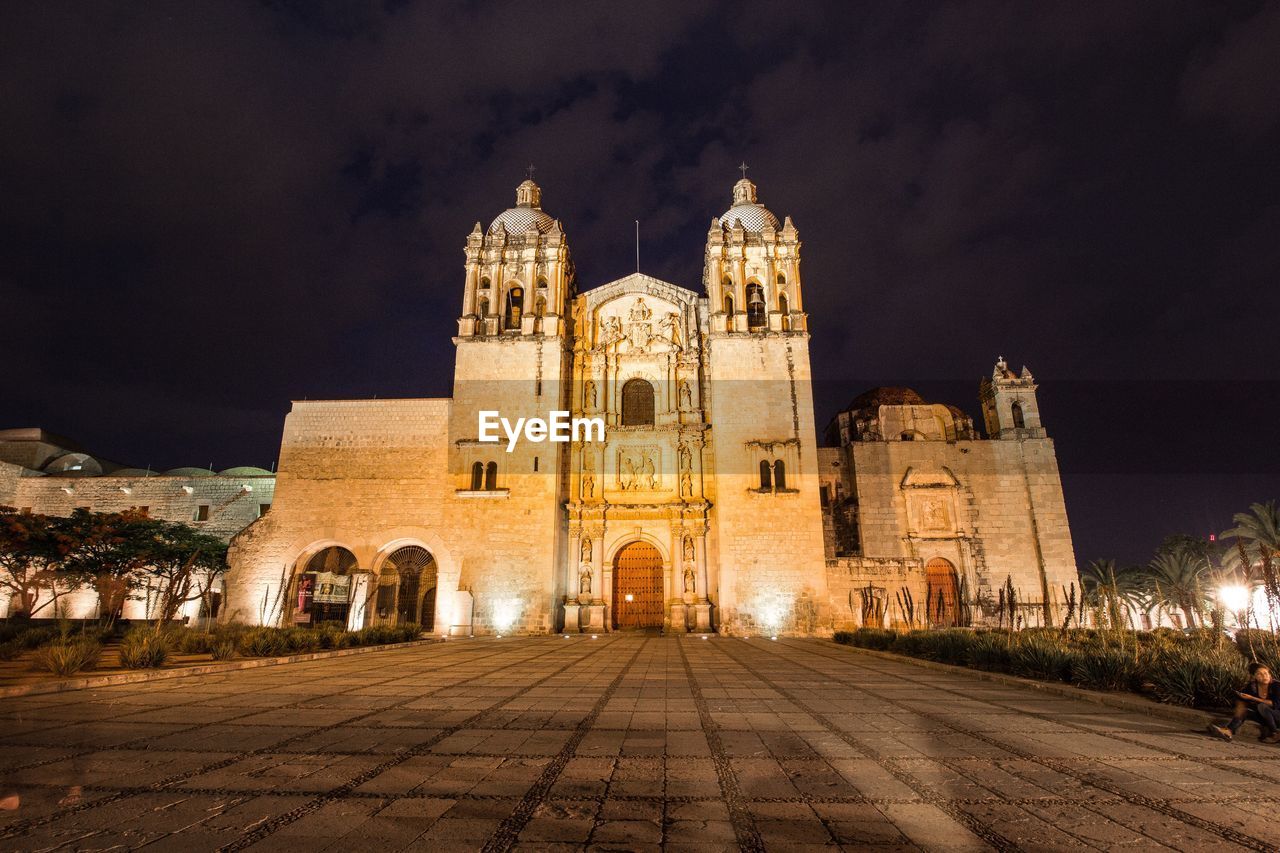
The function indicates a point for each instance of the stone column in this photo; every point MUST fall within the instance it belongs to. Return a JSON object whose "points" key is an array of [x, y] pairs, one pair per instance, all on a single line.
{"points": [[702, 610], [594, 621]]}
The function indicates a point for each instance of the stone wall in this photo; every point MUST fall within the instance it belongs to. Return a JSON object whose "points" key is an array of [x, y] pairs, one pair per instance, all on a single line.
{"points": [[767, 543], [233, 503], [993, 508]]}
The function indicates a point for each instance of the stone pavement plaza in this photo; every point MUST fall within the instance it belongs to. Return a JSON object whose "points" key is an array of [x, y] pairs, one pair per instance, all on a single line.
{"points": [[627, 742]]}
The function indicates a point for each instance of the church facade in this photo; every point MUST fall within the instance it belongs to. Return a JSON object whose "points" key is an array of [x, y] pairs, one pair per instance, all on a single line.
{"points": [[706, 505]]}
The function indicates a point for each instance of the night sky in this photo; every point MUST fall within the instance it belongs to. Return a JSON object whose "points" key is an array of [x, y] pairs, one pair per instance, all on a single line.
{"points": [[211, 209]]}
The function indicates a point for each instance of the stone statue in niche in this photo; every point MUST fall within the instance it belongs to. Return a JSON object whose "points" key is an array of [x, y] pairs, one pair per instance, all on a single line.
{"points": [[671, 325], [686, 459], [579, 329], [686, 485], [588, 484], [589, 395], [686, 395], [586, 550], [690, 566], [584, 582]]}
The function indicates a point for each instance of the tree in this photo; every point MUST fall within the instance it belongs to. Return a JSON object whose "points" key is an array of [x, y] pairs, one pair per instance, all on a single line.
{"points": [[180, 564], [107, 550], [1257, 531], [31, 547], [1112, 591], [1176, 578]]}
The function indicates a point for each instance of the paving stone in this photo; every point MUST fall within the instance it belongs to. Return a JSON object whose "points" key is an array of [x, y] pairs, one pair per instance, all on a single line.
{"points": [[627, 743]]}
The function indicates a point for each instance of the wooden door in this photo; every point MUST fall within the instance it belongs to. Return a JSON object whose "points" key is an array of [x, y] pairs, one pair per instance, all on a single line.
{"points": [[943, 592], [637, 587]]}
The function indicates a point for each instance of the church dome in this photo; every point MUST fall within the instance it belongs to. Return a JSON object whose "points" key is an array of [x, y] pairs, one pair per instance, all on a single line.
{"points": [[753, 215], [527, 213], [886, 395]]}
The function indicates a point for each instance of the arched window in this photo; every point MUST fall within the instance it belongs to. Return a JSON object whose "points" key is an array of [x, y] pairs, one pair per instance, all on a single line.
{"points": [[766, 476], [908, 436], [515, 305], [782, 280], [757, 311], [1019, 420], [779, 474], [728, 304], [637, 403], [477, 476], [542, 283], [483, 308], [484, 284], [491, 476], [784, 310]]}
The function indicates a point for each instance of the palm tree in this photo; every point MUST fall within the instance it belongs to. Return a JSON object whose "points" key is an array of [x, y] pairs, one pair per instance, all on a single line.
{"points": [[1176, 578], [1257, 535], [1256, 530], [1115, 591]]}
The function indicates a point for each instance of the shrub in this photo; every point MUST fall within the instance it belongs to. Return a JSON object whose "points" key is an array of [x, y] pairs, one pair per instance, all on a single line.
{"points": [[844, 638], [224, 648], [145, 649], [1041, 657], [10, 649], [301, 639], [68, 655], [263, 643], [952, 646], [196, 642], [990, 651], [1104, 669], [880, 639], [1197, 676]]}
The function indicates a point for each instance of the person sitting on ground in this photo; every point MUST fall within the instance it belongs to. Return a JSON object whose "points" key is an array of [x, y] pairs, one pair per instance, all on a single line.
{"points": [[1259, 701]]}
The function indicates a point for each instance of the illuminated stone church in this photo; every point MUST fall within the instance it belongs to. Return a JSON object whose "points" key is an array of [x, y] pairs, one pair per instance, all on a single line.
{"points": [[708, 506]]}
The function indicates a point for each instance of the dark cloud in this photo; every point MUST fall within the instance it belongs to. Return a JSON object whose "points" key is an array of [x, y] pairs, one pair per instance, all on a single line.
{"points": [[212, 209]]}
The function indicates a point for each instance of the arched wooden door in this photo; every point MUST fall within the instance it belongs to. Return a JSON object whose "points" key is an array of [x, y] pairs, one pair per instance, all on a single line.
{"points": [[944, 593], [637, 587]]}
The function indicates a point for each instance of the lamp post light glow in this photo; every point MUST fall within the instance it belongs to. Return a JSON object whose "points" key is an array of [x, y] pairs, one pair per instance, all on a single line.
{"points": [[1235, 597]]}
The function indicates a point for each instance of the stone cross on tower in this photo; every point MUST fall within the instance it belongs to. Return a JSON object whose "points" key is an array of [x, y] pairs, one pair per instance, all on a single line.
{"points": [[742, 167]]}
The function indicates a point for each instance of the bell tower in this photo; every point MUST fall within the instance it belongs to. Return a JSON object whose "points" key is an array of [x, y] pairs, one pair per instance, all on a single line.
{"points": [[514, 352], [1009, 404], [767, 528], [752, 268], [519, 275]]}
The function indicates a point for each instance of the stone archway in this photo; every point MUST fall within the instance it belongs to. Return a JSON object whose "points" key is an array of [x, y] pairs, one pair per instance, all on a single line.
{"points": [[943, 593], [638, 597], [415, 572], [324, 591]]}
